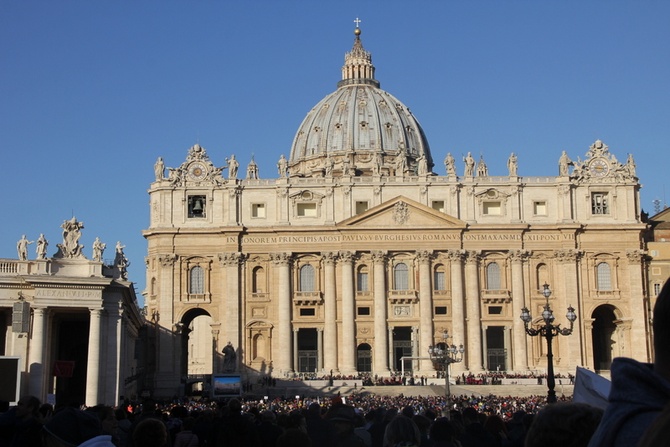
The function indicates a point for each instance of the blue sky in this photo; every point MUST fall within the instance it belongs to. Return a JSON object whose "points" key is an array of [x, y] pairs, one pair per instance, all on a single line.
{"points": [[91, 93]]}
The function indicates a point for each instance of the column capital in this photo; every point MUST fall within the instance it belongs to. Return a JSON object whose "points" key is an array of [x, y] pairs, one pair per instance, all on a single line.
{"points": [[636, 256], [472, 256], [424, 256], [346, 257], [519, 255], [378, 256], [329, 257], [282, 258], [455, 255], [231, 259], [569, 255], [168, 259]]}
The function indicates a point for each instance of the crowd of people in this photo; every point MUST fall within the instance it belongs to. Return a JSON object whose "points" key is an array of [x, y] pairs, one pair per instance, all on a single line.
{"points": [[637, 414]]}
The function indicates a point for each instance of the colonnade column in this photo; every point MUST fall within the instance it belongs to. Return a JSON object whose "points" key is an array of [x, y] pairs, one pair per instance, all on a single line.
{"points": [[36, 354], [93, 363], [637, 308], [457, 307], [348, 354], [330, 314], [425, 310], [519, 349], [381, 362], [473, 320], [281, 346]]}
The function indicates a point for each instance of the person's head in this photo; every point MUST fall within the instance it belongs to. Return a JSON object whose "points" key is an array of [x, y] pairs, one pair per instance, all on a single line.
{"points": [[470, 416], [442, 431], [343, 419], [563, 424], [496, 426], [661, 328], [294, 437], [70, 427], [658, 432], [150, 433], [27, 407], [401, 430]]}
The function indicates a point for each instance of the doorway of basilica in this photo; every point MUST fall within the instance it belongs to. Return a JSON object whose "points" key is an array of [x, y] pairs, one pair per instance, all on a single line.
{"points": [[604, 337]]}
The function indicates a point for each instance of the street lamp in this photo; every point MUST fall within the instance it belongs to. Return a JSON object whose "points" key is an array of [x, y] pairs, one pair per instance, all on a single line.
{"points": [[549, 330], [445, 357]]}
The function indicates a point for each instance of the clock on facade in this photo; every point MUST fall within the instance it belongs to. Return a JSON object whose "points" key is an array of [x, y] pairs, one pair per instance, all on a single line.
{"points": [[599, 167], [197, 171]]}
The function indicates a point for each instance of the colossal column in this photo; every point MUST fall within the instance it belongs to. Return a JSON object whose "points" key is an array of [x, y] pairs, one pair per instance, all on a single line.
{"points": [[473, 320], [637, 305], [381, 363], [519, 348], [281, 346], [425, 310], [567, 293], [348, 350], [457, 306], [166, 346], [231, 308], [36, 354], [330, 314], [93, 363]]}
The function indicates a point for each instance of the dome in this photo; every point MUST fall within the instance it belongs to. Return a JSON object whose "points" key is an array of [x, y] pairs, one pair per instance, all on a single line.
{"points": [[359, 129]]}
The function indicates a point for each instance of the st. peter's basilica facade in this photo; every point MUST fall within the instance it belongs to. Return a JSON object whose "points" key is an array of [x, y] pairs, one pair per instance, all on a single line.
{"points": [[363, 250]]}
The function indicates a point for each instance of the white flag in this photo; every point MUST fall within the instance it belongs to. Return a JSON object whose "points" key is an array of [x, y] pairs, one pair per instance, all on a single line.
{"points": [[591, 388]]}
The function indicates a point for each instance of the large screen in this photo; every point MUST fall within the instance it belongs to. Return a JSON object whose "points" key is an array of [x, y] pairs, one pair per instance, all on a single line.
{"points": [[228, 385], [10, 379]]}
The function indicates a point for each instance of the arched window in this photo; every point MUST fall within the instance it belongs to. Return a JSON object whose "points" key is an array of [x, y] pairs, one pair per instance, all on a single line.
{"points": [[603, 277], [439, 278], [307, 278], [400, 276], [196, 281], [258, 280], [153, 286], [362, 279], [493, 276]]}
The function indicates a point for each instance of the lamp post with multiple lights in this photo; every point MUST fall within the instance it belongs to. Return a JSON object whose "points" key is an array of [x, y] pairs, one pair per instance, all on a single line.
{"points": [[548, 330], [445, 356]]}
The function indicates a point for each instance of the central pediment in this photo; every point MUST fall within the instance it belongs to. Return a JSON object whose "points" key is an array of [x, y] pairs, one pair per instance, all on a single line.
{"points": [[402, 212]]}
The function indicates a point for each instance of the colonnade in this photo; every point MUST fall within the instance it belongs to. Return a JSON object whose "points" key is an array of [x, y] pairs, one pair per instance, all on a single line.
{"points": [[465, 313]]}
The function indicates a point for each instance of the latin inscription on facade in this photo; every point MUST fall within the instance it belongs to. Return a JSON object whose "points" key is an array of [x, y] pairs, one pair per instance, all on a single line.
{"points": [[65, 293], [345, 238]]}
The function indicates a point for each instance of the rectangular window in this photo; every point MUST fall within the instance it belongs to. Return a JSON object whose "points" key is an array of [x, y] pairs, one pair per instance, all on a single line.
{"points": [[540, 208], [438, 205], [196, 206], [600, 203], [363, 311], [361, 207], [258, 210], [492, 208], [307, 312], [495, 310], [306, 209], [440, 310], [657, 289]]}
